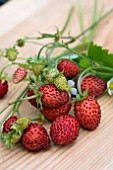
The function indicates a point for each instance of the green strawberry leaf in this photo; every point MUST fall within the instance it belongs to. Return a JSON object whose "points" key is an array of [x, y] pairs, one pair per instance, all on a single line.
{"points": [[84, 63], [100, 56]]}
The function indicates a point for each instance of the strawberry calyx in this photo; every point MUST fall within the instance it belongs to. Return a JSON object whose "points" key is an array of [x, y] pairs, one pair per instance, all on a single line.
{"points": [[80, 97], [11, 53], [36, 65]]}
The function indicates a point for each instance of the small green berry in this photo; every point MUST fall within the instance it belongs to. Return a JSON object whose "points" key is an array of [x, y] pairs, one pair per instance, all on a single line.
{"points": [[61, 83], [20, 42], [23, 122]]}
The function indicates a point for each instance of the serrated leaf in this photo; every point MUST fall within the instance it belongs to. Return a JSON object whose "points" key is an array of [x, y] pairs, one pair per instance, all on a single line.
{"points": [[100, 56]]}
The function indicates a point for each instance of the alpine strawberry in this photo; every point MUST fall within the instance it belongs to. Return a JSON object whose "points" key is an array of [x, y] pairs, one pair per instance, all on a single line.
{"points": [[64, 130], [3, 88], [35, 138], [88, 113], [69, 69], [19, 75], [51, 114], [95, 85], [7, 126], [52, 97]]}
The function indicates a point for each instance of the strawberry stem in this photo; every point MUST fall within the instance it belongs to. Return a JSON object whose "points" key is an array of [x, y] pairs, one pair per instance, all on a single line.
{"points": [[23, 99], [2, 71], [67, 20], [14, 109]]}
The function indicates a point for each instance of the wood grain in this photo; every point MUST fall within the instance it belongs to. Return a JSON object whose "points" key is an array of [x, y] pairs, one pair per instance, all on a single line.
{"points": [[92, 150]]}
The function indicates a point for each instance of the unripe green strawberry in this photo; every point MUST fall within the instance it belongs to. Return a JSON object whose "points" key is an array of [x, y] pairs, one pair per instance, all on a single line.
{"points": [[23, 122], [37, 68], [11, 53], [50, 74], [61, 83], [20, 42]]}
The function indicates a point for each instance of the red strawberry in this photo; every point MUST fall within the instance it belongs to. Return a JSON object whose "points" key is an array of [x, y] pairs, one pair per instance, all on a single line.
{"points": [[69, 69], [3, 88], [51, 114], [96, 86], [64, 130], [8, 123], [35, 138], [32, 101], [19, 75], [52, 97], [88, 113]]}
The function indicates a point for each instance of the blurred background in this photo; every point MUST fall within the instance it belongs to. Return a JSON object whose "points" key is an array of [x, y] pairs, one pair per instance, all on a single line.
{"points": [[3, 1]]}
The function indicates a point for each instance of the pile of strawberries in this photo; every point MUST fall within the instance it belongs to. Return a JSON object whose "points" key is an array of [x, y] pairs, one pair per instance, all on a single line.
{"points": [[56, 106]]}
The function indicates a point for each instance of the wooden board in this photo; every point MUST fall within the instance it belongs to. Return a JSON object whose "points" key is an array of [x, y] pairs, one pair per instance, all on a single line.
{"points": [[92, 150]]}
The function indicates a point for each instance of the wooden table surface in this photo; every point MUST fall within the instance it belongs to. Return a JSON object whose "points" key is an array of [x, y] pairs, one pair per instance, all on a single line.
{"points": [[92, 150]]}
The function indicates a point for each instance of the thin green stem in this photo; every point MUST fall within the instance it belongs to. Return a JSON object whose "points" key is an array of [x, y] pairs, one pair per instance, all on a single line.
{"points": [[14, 109], [33, 42], [35, 118], [107, 74], [74, 52], [92, 32], [67, 20], [4, 109], [106, 68], [71, 38], [1, 72], [102, 10], [39, 53], [81, 15], [80, 47], [23, 99], [91, 26]]}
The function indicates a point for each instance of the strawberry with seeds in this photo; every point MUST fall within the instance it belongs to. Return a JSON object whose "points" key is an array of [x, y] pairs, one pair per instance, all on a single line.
{"points": [[52, 114], [7, 126], [52, 97], [35, 138], [19, 75], [68, 68], [88, 113], [95, 85], [3, 83], [64, 130], [3, 88]]}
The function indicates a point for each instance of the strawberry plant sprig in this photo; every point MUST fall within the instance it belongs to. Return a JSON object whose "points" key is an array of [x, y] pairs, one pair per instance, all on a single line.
{"points": [[55, 83], [72, 38]]}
